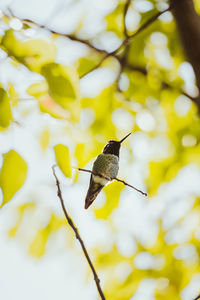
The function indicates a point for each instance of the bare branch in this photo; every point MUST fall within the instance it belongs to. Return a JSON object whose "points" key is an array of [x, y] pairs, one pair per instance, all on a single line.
{"points": [[127, 40], [97, 66], [136, 68], [69, 36], [198, 297], [77, 234], [125, 183], [146, 24], [110, 179]]}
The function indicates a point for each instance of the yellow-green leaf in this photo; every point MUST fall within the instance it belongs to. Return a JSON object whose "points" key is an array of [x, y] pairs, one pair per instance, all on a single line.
{"points": [[14, 96], [38, 245], [63, 159], [12, 175], [112, 192], [85, 64], [37, 89], [62, 86], [45, 139], [31, 53], [5, 109]]}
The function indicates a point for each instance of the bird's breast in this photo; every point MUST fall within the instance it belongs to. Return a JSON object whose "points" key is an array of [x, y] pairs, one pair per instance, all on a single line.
{"points": [[106, 165]]}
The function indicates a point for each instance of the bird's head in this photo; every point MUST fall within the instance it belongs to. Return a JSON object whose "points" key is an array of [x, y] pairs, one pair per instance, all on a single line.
{"points": [[113, 147]]}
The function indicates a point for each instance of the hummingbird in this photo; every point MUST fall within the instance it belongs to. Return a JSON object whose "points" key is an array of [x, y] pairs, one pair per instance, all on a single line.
{"points": [[107, 165]]}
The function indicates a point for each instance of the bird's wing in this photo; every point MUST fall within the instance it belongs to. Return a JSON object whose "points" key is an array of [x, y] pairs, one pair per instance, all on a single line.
{"points": [[93, 190]]}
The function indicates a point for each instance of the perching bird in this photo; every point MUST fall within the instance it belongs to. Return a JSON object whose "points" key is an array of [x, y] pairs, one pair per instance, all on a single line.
{"points": [[107, 165]]}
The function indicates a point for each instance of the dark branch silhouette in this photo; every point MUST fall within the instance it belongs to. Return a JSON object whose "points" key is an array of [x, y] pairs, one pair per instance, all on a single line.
{"points": [[128, 39], [145, 25], [188, 24], [77, 234], [122, 181]]}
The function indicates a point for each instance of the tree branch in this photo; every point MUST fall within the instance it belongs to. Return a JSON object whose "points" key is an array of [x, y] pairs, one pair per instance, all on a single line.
{"points": [[188, 23], [128, 38], [115, 52], [125, 183], [71, 223], [122, 181], [97, 66], [69, 36], [145, 25]]}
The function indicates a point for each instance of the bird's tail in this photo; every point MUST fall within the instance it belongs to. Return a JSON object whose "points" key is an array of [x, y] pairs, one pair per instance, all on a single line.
{"points": [[92, 193]]}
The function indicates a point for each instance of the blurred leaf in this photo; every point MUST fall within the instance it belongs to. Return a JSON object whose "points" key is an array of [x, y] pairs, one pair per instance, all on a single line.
{"points": [[160, 172], [48, 105], [22, 209], [114, 20], [45, 139], [112, 192], [85, 64], [5, 109], [62, 85], [13, 94], [32, 53], [111, 258], [63, 159], [197, 6], [59, 95], [12, 175], [37, 89], [37, 247]]}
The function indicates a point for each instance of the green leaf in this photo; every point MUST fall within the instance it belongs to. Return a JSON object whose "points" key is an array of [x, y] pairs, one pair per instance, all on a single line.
{"points": [[38, 245], [12, 175], [85, 64], [114, 20], [37, 89], [70, 111], [60, 84], [112, 191], [31, 53], [63, 159], [5, 109]]}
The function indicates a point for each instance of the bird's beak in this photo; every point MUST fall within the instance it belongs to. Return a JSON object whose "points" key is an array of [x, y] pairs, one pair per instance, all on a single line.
{"points": [[124, 138]]}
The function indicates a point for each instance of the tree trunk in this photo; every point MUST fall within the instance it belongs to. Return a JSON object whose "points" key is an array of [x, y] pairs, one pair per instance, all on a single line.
{"points": [[188, 23]]}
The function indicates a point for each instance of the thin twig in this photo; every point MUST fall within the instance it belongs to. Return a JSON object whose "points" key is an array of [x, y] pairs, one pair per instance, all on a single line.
{"points": [[147, 23], [198, 297], [97, 66], [115, 52], [110, 179], [125, 183], [71, 223], [69, 36], [132, 67]]}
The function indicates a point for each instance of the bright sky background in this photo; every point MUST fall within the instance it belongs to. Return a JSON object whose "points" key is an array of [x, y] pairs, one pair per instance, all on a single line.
{"points": [[61, 273]]}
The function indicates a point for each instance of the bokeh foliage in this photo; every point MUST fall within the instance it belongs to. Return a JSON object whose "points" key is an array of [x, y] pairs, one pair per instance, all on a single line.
{"points": [[149, 87]]}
